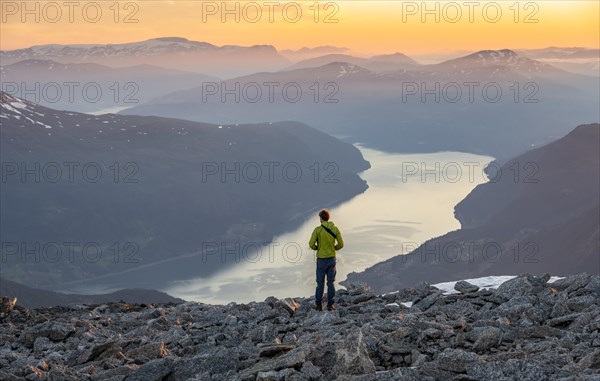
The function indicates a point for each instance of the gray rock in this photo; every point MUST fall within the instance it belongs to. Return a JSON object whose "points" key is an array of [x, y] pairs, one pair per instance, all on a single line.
{"points": [[427, 302], [291, 359], [362, 297], [55, 331], [581, 303], [519, 286], [571, 282], [156, 370], [41, 344], [352, 357], [512, 369], [276, 375], [456, 360], [590, 361], [97, 352], [357, 288], [465, 287], [485, 338], [403, 374], [272, 350], [593, 286], [311, 372], [288, 304]]}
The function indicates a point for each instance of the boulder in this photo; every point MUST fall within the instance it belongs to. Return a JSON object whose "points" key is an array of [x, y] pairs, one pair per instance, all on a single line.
{"points": [[465, 287], [456, 360]]}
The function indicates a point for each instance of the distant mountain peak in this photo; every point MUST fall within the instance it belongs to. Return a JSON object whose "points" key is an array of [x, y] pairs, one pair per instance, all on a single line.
{"points": [[502, 53], [171, 39], [345, 68], [505, 57], [322, 48]]}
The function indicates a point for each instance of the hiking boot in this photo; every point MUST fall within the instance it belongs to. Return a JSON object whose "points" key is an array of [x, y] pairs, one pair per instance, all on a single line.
{"points": [[330, 307], [319, 306]]}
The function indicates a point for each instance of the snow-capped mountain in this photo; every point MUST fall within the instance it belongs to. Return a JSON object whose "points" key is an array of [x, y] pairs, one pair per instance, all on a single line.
{"points": [[168, 52], [504, 58]]}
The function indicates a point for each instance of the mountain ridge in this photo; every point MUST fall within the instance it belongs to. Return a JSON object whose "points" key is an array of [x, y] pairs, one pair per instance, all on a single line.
{"points": [[36, 298]]}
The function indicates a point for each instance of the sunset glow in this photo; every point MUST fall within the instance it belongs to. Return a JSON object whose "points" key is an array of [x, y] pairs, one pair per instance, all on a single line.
{"points": [[367, 27]]}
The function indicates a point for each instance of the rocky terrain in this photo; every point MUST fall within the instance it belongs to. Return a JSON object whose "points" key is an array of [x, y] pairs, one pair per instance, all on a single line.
{"points": [[527, 329]]}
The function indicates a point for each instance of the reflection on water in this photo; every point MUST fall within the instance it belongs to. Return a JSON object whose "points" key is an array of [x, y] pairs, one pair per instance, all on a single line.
{"points": [[410, 199], [109, 110]]}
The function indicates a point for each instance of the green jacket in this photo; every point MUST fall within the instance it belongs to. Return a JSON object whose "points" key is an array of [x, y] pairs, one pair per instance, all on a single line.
{"points": [[324, 242]]}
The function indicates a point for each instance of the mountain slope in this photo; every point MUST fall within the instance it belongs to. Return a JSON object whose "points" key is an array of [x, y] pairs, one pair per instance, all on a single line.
{"points": [[117, 87], [150, 193], [35, 298], [547, 220], [381, 63]]}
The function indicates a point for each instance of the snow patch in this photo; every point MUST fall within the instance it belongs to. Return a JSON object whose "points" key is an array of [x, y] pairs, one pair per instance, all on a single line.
{"points": [[486, 282]]}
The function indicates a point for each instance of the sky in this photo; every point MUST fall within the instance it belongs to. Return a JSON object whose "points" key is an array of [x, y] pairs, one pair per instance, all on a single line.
{"points": [[370, 27]]}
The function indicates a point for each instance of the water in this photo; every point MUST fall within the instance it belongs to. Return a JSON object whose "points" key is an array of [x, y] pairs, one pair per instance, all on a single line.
{"points": [[109, 110], [402, 208]]}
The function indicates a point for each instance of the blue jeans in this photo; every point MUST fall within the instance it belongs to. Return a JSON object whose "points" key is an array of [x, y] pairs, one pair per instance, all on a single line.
{"points": [[325, 266]]}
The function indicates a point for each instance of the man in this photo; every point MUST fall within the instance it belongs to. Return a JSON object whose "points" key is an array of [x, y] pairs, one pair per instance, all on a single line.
{"points": [[326, 239]]}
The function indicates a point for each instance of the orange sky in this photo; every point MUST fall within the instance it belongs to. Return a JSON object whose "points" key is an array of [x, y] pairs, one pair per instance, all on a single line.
{"points": [[363, 26]]}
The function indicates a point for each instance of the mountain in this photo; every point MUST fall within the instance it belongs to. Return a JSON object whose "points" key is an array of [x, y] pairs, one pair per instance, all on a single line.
{"points": [[382, 63], [478, 103], [36, 298], [504, 58], [395, 58], [553, 52], [528, 328], [168, 52], [118, 87], [327, 59], [306, 53], [541, 214], [120, 201], [577, 60]]}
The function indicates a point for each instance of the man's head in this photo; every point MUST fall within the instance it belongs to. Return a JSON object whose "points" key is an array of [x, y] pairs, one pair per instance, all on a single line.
{"points": [[324, 215]]}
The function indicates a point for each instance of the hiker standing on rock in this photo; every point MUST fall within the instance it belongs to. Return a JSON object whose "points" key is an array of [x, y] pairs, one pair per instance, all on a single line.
{"points": [[326, 239]]}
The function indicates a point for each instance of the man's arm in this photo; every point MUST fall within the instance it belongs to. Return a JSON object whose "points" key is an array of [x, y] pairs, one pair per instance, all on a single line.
{"points": [[313, 240], [340, 240]]}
